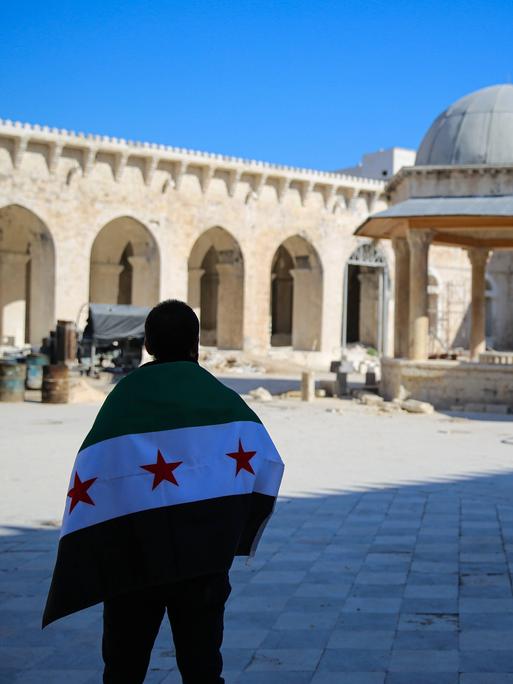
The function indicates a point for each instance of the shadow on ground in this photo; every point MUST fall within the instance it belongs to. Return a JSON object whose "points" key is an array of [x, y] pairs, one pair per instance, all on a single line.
{"points": [[395, 585]]}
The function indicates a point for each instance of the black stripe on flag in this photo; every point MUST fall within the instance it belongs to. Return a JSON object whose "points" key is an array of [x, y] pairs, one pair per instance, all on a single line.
{"points": [[153, 547]]}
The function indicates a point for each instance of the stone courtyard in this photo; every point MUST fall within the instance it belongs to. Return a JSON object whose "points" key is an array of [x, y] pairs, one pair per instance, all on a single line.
{"points": [[388, 560]]}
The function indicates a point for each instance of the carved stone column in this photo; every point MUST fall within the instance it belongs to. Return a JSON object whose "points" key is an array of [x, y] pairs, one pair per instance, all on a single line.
{"points": [[142, 283], [230, 302], [478, 258], [401, 298], [419, 241], [194, 290], [104, 282], [14, 307], [369, 307], [306, 307]]}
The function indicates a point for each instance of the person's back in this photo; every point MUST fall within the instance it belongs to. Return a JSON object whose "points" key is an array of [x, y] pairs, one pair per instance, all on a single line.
{"points": [[176, 477]]}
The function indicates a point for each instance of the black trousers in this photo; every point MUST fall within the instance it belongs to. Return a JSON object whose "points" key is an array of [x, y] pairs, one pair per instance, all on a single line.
{"points": [[195, 608]]}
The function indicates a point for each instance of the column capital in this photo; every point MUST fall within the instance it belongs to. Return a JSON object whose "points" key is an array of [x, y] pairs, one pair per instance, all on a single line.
{"points": [[400, 246], [107, 268], [13, 257], [478, 256], [196, 272], [137, 259], [419, 238]]}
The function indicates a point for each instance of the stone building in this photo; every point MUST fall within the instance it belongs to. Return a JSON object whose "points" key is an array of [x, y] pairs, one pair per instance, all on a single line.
{"points": [[266, 254], [259, 250], [451, 226]]}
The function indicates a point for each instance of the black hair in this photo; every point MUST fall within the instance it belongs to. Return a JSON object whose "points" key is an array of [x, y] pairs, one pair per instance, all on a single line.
{"points": [[172, 332]]}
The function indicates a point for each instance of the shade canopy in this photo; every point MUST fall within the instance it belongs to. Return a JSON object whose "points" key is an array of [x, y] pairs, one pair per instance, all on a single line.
{"points": [[108, 323], [478, 221]]}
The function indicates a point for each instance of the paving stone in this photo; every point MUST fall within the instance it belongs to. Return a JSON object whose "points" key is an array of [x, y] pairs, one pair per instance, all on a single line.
{"points": [[307, 620], [348, 678], [257, 603], [372, 605], [486, 621], [424, 660], [422, 678], [437, 591], [377, 591], [434, 566], [485, 678], [428, 622], [244, 638], [367, 621], [426, 640], [354, 660], [54, 677], [269, 677], [278, 577], [296, 638], [285, 659], [21, 657], [314, 604], [486, 661], [362, 639], [236, 658], [429, 605], [381, 578], [486, 605], [319, 589], [486, 640]]}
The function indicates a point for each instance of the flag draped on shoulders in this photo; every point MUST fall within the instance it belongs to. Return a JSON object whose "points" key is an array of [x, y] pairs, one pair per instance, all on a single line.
{"points": [[176, 477]]}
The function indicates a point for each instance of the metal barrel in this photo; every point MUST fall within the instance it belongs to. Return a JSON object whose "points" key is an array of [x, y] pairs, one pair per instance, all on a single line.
{"points": [[35, 363], [12, 381], [55, 384], [66, 341]]}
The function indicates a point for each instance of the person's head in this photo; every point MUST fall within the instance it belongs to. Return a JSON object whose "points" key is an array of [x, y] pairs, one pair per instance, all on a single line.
{"points": [[172, 332]]}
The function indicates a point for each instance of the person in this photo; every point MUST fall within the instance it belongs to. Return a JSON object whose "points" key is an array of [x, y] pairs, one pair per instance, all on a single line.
{"points": [[176, 477]]}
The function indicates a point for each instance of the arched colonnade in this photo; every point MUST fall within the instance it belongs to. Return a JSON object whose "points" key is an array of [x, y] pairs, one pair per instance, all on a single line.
{"points": [[125, 268]]}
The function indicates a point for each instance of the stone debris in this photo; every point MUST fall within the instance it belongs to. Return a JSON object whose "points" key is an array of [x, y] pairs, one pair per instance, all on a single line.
{"points": [[291, 394], [261, 394], [415, 406], [369, 399], [390, 407], [219, 362]]}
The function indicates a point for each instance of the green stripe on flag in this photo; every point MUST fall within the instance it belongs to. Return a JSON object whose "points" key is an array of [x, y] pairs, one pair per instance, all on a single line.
{"points": [[166, 396]]}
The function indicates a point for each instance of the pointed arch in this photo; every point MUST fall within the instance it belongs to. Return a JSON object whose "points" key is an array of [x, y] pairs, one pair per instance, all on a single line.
{"points": [[296, 295], [27, 276], [216, 288], [125, 264], [366, 297]]}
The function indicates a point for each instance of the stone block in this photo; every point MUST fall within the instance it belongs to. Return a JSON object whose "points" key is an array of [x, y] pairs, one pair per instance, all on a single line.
{"points": [[415, 406]]}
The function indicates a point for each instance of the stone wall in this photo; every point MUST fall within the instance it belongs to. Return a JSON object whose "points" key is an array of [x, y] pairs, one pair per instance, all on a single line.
{"points": [[448, 384], [104, 203]]}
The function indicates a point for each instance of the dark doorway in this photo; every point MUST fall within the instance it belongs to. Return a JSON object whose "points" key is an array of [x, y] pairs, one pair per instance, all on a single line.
{"points": [[353, 304]]}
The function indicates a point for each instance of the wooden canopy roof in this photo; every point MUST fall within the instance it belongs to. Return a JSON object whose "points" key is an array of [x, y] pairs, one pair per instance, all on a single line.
{"points": [[478, 221]]}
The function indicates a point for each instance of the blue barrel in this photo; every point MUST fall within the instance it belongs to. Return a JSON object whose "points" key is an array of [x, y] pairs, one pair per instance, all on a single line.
{"points": [[12, 381], [35, 363]]}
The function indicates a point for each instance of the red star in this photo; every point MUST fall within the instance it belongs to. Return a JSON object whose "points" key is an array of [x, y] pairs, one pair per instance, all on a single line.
{"points": [[243, 459], [162, 470], [79, 492]]}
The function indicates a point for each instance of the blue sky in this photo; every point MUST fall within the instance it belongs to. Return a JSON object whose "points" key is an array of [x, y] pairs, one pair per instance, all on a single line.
{"points": [[311, 84]]}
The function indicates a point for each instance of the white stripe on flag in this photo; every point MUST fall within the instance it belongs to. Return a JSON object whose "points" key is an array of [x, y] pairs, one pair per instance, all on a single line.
{"points": [[122, 486]]}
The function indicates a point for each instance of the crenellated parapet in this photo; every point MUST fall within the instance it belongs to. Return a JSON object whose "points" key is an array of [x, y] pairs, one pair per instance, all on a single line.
{"points": [[337, 190]]}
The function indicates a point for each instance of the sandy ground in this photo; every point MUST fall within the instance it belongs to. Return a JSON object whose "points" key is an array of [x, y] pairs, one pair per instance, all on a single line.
{"points": [[328, 446]]}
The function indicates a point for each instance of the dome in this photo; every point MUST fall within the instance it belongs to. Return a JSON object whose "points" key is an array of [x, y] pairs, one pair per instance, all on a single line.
{"points": [[476, 129]]}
